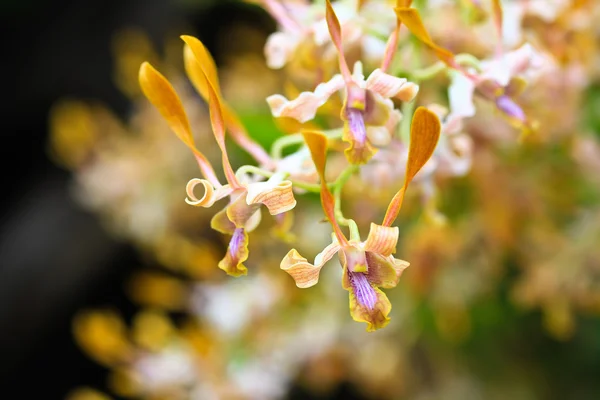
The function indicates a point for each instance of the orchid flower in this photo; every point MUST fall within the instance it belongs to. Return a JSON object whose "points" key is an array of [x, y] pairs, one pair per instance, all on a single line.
{"points": [[497, 80], [242, 214], [366, 265], [303, 25], [368, 110]]}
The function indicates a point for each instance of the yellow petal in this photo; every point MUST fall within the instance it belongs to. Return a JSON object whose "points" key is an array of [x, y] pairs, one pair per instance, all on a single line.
{"points": [[383, 271], [103, 336], [152, 329], [382, 239], [317, 144], [277, 197], [237, 253], [424, 135], [335, 31], [411, 18], [198, 65], [375, 318], [161, 94]]}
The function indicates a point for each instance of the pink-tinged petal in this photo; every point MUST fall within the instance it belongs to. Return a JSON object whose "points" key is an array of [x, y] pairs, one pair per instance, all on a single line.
{"points": [[210, 196], [278, 197], [317, 144], [237, 253], [390, 86], [240, 213], [353, 259], [367, 303], [304, 107], [279, 48], [382, 271], [304, 273], [424, 135], [382, 239], [335, 31]]}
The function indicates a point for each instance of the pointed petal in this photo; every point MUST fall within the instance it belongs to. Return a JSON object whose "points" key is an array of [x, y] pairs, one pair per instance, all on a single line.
{"points": [[161, 94], [200, 66], [204, 67], [237, 253], [391, 86], [367, 303], [317, 144], [304, 273], [198, 73], [304, 107], [278, 197], [335, 31], [210, 194], [382, 270], [382, 239], [411, 18], [424, 135]]}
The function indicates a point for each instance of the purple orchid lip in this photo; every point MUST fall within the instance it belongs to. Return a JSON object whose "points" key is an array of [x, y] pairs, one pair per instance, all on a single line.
{"points": [[236, 241], [356, 124], [364, 292], [510, 108]]}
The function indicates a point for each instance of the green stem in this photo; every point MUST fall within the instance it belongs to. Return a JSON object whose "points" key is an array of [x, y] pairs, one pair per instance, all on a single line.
{"points": [[251, 169], [297, 138], [429, 72], [337, 193]]}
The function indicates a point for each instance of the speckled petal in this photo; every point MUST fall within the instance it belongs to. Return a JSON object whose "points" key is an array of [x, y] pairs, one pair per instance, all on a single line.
{"points": [[211, 194], [304, 273], [382, 239], [390, 86], [276, 196]]}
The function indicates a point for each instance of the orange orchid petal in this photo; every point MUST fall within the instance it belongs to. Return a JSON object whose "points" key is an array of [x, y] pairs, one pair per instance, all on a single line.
{"points": [[382, 239], [199, 65], [304, 273], [162, 95], [424, 135], [498, 19], [335, 31], [392, 43], [317, 144], [411, 18]]}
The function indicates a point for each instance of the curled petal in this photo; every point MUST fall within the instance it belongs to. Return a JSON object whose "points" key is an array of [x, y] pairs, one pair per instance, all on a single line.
{"points": [[277, 197], [304, 107], [237, 253], [382, 239], [391, 86], [304, 273], [210, 194], [200, 66]]}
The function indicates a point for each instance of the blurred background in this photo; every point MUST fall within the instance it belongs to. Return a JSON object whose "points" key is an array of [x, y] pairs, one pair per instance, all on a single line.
{"points": [[109, 281]]}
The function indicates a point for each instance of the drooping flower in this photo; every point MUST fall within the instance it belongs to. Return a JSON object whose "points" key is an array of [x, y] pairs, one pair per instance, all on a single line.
{"points": [[368, 111], [366, 265], [242, 214]]}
